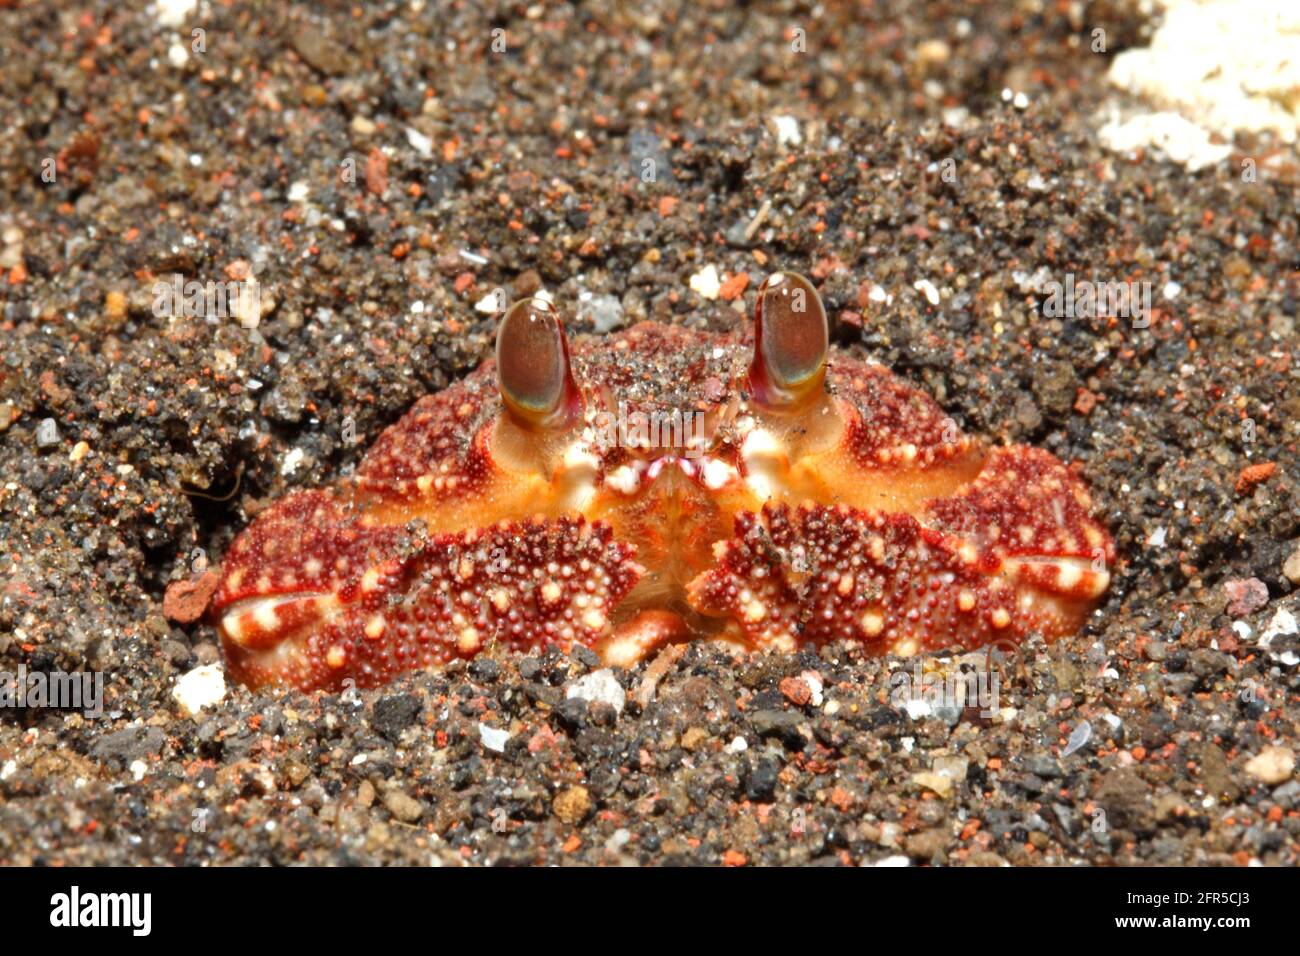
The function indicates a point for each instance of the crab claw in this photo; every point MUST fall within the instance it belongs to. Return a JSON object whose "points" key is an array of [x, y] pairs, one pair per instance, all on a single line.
{"points": [[533, 372], [315, 593], [791, 342]]}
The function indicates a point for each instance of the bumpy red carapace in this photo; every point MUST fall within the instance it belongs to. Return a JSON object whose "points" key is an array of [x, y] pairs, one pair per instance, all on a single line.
{"points": [[759, 488]]}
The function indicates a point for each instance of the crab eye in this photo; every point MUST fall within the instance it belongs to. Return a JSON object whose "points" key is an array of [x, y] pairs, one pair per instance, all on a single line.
{"points": [[533, 363], [791, 341]]}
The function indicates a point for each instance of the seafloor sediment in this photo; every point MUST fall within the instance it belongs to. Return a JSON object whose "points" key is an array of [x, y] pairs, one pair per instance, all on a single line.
{"points": [[133, 446]]}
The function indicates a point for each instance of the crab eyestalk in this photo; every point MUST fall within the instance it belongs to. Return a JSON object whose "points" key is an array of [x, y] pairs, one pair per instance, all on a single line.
{"points": [[801, 426], [533, 372], [791, 342], [541, 409]]}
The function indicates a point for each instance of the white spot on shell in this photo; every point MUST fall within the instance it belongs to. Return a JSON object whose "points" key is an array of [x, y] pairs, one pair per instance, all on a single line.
{"points": [[624, 480], [716, 474]]}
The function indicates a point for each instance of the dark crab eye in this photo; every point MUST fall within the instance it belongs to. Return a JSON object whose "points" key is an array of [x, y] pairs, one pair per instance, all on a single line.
{"points": [[791, 340], [533, 363]]}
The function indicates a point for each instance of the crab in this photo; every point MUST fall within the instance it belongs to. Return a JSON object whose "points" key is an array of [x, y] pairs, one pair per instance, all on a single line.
{"points": [[757, 488]]}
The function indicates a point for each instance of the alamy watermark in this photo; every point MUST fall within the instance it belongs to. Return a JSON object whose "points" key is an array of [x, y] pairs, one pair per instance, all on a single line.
{"points": [[212, 301], [958, 689], [74, 908], [57, 690], [1086, 299], [657, 429]]}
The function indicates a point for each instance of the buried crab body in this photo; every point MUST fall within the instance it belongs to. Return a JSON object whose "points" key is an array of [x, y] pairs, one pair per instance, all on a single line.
{"points": [[792, 495]]}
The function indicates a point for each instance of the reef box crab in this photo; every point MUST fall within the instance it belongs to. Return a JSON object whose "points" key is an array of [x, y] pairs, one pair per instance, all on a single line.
{"points": [[808, 496]]}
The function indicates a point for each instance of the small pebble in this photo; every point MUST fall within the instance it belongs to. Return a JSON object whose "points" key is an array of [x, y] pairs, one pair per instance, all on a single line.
{"points": [[204, 686], [402, 805], [926, 288], [787, 130], [1245, 595], [1291, 567], [1080, 736], [1272, 765], [599, 685], [571, 806], [796, 690], [706, 283], [47, 434], [494, 739]]}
